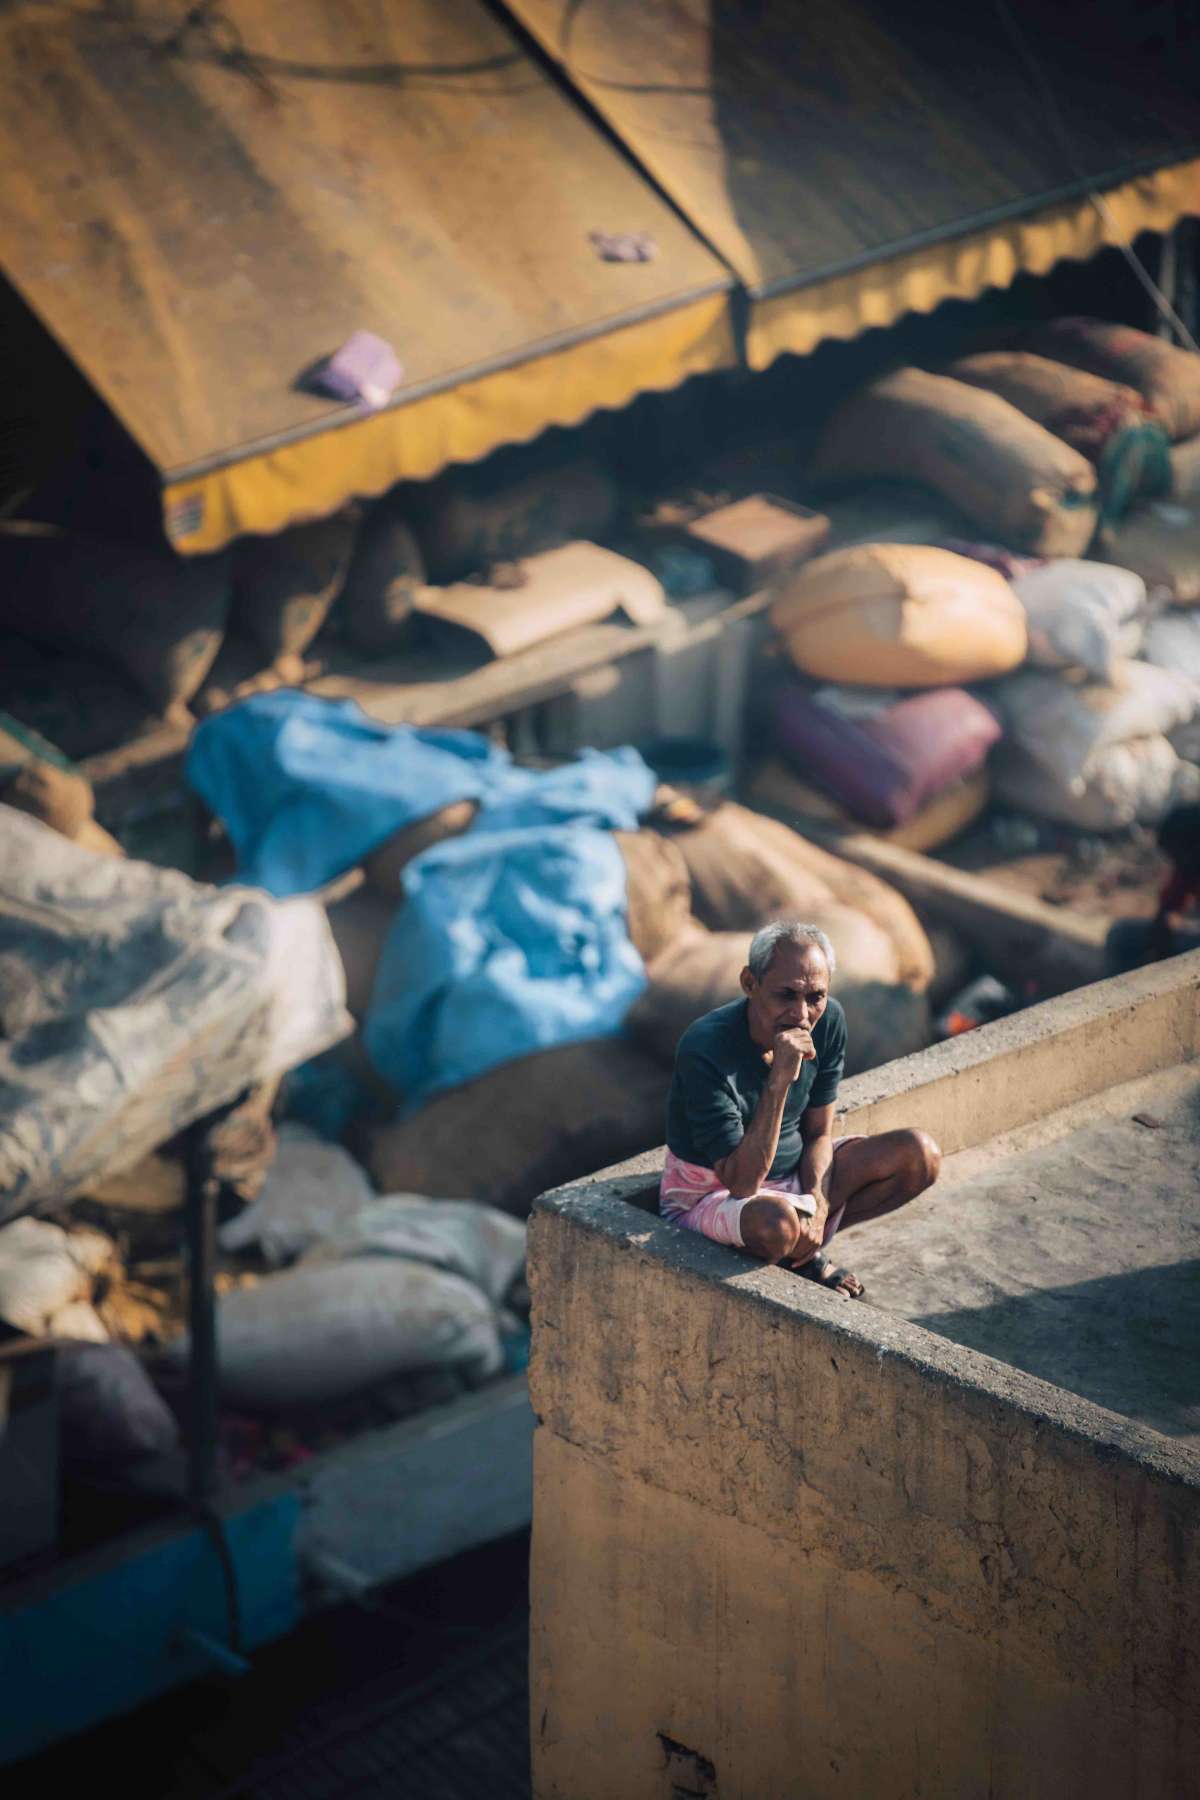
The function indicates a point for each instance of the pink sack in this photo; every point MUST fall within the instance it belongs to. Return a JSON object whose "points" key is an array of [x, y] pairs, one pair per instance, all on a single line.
{"points": [[884, 769]]}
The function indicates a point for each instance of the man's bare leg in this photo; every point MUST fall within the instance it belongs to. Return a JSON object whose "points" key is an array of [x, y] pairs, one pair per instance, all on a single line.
{"points": [[870, 1177]]}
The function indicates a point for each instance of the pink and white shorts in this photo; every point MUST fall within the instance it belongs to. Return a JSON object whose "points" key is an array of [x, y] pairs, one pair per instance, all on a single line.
{"points": [[691, 1195]]}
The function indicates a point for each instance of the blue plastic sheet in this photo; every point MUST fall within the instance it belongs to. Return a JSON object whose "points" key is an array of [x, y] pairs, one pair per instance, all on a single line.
{"points": [[512, 938], [306, 787], [508, 942]]}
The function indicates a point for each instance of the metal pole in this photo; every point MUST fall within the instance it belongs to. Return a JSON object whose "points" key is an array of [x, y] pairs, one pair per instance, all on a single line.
{"points": [[202, 1197]]}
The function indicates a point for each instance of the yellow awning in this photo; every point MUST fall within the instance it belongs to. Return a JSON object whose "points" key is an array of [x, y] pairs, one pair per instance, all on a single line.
{"points": [[199, 211], [963, 268], [853, 161]]}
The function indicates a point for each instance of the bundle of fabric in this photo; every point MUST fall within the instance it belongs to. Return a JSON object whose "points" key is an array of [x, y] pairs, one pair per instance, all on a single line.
{"points": [[1004, 471], [1094, 754], [134, 1001]]}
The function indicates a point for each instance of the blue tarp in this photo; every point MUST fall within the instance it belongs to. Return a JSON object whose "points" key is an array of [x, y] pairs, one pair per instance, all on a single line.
{"points": [[508, 942], [512, 938]]}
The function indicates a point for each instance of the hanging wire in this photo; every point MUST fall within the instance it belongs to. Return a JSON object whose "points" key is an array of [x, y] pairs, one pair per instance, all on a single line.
{"points": [[1050, 102]]}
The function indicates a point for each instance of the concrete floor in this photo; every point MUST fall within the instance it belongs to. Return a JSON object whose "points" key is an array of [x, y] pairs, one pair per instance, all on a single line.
{"points": [[1070, 1249]]}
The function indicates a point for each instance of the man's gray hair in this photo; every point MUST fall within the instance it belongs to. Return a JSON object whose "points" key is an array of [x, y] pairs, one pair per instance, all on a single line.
{"points": [[764, 944]]}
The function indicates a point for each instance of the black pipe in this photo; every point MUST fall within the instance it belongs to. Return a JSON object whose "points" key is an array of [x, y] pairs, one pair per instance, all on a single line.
{"points": [[203, 1192]]}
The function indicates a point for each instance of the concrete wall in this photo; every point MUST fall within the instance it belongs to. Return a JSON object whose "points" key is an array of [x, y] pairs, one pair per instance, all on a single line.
{"points": [[788, 1547]]}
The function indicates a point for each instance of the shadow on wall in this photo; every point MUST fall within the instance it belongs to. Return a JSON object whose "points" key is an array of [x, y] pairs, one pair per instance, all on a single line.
{"points": [[1128, 1342]]}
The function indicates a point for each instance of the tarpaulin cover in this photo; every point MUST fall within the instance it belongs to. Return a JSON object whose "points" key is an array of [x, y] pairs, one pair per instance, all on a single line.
{"points": [[201, 204], [853, 160], [306, 787], [134, 1001], [511, 938], [508, 942]]}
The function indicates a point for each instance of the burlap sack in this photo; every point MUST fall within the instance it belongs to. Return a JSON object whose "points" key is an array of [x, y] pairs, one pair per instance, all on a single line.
{"points": [[900, 615], [1161, 543], [58, 797], [82, 708], [1082, 409], [1167, 378], [154, 617], [284, 586], [472, 518], [360, 924], [385, 572], [1012, 477], [659, 891], [884, 1017], [527, 1126], [746, 869], [385, 867]]}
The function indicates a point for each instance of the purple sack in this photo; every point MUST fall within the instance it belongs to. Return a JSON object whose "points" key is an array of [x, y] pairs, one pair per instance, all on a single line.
{"points": [[886, 768]]}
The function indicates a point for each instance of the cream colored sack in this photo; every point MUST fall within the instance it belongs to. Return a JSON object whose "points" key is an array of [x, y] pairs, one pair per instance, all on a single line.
{"points": [[900, 615]]}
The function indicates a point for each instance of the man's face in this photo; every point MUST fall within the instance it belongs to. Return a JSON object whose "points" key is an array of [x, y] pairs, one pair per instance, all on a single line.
{"points": [[794, 991]]}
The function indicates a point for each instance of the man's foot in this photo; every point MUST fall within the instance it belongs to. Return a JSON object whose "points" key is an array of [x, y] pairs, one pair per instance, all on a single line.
{"points": [[818, 1268]]}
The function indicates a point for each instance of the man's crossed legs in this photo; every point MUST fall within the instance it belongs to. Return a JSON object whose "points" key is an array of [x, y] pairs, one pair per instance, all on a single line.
{"points": [[869, 1177]]}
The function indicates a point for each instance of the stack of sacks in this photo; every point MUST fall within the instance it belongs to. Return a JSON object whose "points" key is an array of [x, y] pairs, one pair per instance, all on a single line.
{"points": [[888, 617], [1095, 754], [1161, 542], [1002, 470], [362, 1289], [1107, 421]]}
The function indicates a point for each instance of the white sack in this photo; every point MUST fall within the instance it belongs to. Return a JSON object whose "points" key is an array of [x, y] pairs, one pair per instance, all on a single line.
{"points": [[322, 1332], [1075, 611], [1062, 725], [311, 1189], [44, 1270], [1125, 784], [466, 1237], [1172, 641], [133, 1001]]}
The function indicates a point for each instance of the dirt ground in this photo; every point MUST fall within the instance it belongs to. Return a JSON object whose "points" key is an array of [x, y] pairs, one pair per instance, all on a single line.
{"points": [[1118, 876]]}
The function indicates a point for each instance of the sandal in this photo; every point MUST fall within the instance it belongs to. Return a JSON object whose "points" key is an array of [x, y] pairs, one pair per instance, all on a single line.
{"points": [[826, 1274]]}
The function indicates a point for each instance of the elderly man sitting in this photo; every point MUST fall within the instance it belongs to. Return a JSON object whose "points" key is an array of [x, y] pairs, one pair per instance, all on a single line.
{"points": [[751, 1155]]}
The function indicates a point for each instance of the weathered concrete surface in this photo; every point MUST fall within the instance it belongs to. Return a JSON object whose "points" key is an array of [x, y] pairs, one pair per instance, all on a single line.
{"points": [[1072, 1252], [789, 1547]]}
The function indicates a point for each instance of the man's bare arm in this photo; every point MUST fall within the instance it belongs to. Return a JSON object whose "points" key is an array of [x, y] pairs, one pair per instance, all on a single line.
{"points": [[816, 1158], [745, 1169]]}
